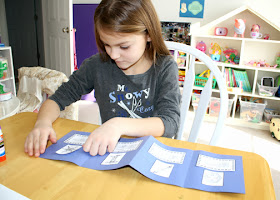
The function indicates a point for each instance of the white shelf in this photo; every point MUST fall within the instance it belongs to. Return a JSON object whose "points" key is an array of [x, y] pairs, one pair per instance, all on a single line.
{"points": [[248, 49], [238, 39], [9, 81]]}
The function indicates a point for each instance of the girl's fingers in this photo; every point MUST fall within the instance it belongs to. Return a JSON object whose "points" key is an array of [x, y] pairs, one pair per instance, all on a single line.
{"points": [[111, 146], [87, 145], [94, 149], [43, 142], [36, 145], [102, 149], [30, 145]]}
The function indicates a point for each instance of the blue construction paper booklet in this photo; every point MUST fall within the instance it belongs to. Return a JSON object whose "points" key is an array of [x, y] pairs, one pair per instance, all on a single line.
{"points": [[186, 168]]}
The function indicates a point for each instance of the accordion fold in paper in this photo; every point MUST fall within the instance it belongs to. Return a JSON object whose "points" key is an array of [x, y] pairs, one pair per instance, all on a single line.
{"points": [[175, 166]]}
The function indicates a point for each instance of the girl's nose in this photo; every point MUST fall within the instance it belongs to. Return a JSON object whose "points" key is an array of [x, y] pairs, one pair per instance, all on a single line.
{"points": [[114, 53]]}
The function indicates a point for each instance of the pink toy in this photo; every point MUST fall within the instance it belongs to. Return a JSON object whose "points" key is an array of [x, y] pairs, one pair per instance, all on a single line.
{"points": [[261, 63], [255, 31], [230, 51], [255, 28], [201, 46], [239, 27], [266, 36], [230, 55]]}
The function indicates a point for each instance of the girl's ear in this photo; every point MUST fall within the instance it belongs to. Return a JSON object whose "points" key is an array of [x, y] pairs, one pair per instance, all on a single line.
{"points": [[148, 38]]}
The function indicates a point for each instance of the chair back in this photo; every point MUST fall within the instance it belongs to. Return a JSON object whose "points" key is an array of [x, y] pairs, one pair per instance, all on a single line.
{"points": [[36, 84], [192, 54]]}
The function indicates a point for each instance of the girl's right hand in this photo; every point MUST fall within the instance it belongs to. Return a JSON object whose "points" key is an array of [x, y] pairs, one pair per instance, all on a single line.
{"points": [[36, 141]]}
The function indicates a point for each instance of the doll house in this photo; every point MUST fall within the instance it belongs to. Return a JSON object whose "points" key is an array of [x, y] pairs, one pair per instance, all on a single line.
{"points": [[250, 53]]}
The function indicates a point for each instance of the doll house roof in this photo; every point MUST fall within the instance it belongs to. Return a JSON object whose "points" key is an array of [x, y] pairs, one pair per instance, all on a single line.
{"points": [[245, 12]]}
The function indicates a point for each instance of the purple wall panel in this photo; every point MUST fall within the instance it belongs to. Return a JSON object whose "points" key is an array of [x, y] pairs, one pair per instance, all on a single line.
{"points": [[85, 38]]}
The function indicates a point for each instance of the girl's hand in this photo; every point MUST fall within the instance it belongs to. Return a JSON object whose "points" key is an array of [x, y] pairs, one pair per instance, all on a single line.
{"points": [[103, 138], [36, 141]]}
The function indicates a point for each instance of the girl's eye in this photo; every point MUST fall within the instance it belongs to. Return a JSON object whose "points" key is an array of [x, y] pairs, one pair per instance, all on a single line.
{"points": [[124, 47]]}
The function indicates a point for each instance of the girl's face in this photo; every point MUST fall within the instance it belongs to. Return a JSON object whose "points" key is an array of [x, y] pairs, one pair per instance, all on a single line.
{"points": [[127, 50]]}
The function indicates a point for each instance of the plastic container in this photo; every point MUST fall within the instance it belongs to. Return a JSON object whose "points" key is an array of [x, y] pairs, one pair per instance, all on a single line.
{"points": [[201, 81], [251, 112], [5, 93], [2, 147], [267, 91], [215, 107], [269, 114], [195, 101]]}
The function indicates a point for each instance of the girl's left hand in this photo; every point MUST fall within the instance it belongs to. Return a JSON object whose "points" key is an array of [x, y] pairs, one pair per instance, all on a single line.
{"points": [[103, 138]]}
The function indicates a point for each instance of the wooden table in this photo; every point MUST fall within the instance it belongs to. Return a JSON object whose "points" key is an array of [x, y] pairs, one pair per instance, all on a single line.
{"points": [[38, 178]]}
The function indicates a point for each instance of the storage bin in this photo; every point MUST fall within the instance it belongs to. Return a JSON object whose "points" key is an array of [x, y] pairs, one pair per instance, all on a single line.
{"points": [[269, 114], [251, 112], [195, 101], [201, 81], [267, 91], [215, 107]]}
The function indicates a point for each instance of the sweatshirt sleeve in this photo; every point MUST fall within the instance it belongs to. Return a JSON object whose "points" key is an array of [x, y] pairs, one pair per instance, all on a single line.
{"points": [[168, 97], [80, 83]]}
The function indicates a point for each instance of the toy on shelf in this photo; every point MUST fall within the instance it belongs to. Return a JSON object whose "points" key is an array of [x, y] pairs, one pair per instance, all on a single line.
{"points": [[181, 59], [267, 81], [261, 63], [182, 74], [205, 74], [251, 116], [201, 79], [255, 31], [266, 36], [251, 109], [266, 88], [230, 56], [215, 52], [255, 28], [239, 27], [221, 31], [236, 90], [201, 46], [275, 128], [277, 62], [269, 114]]}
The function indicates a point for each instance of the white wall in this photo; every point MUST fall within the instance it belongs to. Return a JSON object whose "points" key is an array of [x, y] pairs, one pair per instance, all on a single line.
{"points": [[168, 10], [267, 8]]}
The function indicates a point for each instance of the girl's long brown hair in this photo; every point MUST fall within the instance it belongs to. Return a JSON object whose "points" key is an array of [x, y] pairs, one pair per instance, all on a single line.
{"points": [[130, 16]]}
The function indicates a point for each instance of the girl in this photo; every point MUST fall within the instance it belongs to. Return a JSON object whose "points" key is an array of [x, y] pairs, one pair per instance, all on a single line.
{"points": [[134, 78]]}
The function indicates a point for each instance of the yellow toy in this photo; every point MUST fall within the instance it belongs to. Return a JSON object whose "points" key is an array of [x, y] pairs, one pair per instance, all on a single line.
{"points": [[215, 52], [206, 74], [275, 128]]}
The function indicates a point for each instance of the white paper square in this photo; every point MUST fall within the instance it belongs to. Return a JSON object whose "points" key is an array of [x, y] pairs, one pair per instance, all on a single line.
{"points": [[113, 159], [213, 178], [215, 164], [162, 169], [127, 146], [167, 155], [77, 139], [68, 149]]}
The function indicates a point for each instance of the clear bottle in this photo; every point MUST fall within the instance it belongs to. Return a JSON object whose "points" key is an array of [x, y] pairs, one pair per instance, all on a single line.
{"points": [[2, 147]]}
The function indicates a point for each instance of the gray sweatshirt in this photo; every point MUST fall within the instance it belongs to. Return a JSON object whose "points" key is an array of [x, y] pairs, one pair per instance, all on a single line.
{"points": [[154, 93]]}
